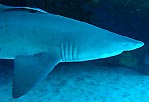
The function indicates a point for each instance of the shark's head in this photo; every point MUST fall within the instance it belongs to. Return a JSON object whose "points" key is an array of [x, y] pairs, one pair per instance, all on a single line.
{"points": [[108, 46], [129, 44], [123, 43]]}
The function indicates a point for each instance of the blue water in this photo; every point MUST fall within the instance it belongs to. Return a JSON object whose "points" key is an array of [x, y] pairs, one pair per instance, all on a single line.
{"points": [[146, 59]]}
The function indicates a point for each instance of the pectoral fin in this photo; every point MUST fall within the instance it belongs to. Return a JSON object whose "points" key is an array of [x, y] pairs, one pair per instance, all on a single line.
{"points": [[29, 70]]}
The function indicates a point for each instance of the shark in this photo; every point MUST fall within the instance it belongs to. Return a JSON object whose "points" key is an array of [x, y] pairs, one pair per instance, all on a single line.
{"points": [[37, 41]]}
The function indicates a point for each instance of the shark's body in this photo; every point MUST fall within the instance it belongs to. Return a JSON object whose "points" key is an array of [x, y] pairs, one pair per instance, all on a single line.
{"points": [[39, 41]]}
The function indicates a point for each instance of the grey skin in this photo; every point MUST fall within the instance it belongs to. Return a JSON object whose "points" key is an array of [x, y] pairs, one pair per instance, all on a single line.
{"points": [[39, 41]]}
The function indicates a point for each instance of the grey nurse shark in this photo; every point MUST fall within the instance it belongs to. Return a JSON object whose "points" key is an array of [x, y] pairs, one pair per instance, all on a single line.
{"points": [[38, 41]]}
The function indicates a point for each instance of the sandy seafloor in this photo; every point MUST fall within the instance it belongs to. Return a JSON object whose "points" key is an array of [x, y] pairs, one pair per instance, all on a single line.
{"points": [[82, 82]]}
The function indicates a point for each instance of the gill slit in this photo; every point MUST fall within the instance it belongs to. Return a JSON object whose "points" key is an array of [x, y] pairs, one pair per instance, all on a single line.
{"points": [[62, 51], [66, 51], [69, 51]]}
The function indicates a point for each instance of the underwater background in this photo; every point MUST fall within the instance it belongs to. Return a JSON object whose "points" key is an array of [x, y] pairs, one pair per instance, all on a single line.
{"points": [[123, 78]]}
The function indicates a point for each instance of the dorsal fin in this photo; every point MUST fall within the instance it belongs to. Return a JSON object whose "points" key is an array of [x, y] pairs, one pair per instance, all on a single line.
{"points": [[27, 9]]}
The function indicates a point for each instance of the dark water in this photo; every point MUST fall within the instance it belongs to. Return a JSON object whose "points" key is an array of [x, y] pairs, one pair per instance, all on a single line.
{"points": [[129, 18]]}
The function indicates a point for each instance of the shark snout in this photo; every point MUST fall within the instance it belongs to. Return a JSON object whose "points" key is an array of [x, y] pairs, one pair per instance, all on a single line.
{"points": [[135, 45], [139, 44]]}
